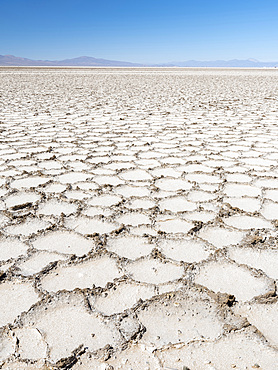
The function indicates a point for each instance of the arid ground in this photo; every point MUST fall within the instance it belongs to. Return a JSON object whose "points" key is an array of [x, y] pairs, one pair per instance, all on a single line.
{"points": [[139, 218]]}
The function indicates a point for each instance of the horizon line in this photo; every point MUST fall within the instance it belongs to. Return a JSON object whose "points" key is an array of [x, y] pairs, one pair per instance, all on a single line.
{"points": [[254, 60]]}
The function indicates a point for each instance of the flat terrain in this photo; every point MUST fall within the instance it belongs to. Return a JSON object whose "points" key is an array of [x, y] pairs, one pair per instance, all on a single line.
{"points": [[138, 218]]}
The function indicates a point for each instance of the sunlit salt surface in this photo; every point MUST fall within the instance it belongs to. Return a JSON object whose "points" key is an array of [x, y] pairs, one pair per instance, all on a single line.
{"points": [[201, 196], [28, 227], [134, 197], [16, 297], [56, 208], [95, 272], [63, 242], [177, 204], [220, 236], [21, 198], [248, 222], [246, 204], [227, 278], [270, 210], [86, 225], [262, 259], [187, 250], [169, 184], [239, 190], [37, 262], [141, 203], [174, 225], [134, 219], [262, 316], [72, 177], [122, 297], [130, 247], [11, 248], [184, 319], [29, 182], [154, 272], [135, 175], [104, 200]]}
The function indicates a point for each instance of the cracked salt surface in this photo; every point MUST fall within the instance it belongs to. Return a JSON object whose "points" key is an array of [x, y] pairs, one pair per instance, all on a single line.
{"points": [[262, 316], [130, 247], [11, 248], [225, 277], [138, 221], [174, 226], [262, 259], [154, 271], [248, 222], [220, 237], [240, 350], [37, 262], [183, 317], [16, 297], [85, 225], [186, 250], [122, 297], [86, 274], [28, 227]]}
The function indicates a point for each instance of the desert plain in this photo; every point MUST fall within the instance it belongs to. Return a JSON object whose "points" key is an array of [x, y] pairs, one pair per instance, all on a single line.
{"points": [[138, 218]]}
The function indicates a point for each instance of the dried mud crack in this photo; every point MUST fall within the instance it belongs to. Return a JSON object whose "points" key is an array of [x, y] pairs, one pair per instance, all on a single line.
{"points": [[138, 219]]}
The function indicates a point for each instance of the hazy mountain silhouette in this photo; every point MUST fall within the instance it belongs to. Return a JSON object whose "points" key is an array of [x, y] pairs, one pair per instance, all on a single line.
{"points": [[11, 60], [248, 63]]}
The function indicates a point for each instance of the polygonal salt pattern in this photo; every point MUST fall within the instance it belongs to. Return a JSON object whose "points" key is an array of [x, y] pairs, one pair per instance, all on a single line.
{"points": [[86, 225], [221, 237], [121, 297], [56, 208], [240, 350], [63, 241], [184, 249], [243, 222], [21, 199], [176, 204], [154, 271], [225, 277], [262, 259], [96, 272], [27, 227], [187, 316], [263, 316], [16, 297], [11, 248], [131, 247], [93, 331], [138, 218], [37, 262]]}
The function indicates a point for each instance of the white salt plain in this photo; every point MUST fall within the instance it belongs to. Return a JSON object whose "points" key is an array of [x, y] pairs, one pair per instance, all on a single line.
{"points": [[138, 218]]}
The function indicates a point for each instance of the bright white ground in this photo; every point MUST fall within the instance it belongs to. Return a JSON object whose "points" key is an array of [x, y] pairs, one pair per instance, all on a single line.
{"points": [[138, 218]]}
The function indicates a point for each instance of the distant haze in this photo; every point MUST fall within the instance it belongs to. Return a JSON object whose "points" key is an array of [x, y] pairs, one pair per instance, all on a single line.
{"points": [[11, 60]]}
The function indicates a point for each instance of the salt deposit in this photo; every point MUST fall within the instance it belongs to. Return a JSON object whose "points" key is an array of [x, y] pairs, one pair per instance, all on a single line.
{"points": [[138, 218]]}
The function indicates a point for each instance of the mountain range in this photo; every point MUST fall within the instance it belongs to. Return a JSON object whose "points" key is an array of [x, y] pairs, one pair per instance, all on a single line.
{"points": [[85, 61]]}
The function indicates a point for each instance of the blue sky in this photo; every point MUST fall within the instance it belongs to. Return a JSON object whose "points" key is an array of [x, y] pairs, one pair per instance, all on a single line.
{"points": [[140, 31]]}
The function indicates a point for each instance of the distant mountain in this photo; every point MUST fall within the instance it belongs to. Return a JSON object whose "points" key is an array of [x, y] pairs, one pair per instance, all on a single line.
{"points": [[11, 60], [234, 63]]}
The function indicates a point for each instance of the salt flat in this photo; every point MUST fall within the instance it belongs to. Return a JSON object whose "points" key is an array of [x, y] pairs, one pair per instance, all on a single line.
{"points": [[139, 218]]}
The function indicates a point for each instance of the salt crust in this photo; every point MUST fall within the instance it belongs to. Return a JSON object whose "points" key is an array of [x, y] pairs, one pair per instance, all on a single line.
{"points": [[126, 201]]}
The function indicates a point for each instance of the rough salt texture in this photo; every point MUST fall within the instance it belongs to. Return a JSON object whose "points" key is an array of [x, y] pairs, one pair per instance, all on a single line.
{"points": [[138, 218]]}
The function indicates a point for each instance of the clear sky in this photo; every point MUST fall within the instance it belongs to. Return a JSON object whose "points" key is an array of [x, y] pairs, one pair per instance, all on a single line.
{"points": [[146, 31]]}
